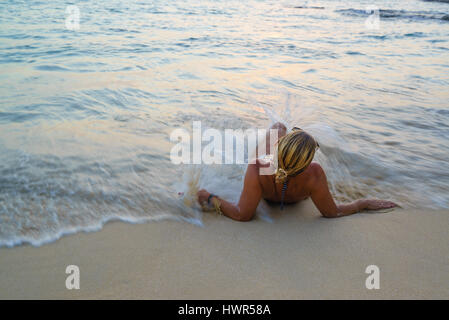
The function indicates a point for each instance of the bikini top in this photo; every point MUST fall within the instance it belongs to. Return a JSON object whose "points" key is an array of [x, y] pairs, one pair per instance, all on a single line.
{"points": [[284, 189]]}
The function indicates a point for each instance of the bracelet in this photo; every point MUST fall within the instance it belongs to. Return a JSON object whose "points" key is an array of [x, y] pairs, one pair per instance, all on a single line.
{"points": [[217, 205], [210, 197], [215, 202]]}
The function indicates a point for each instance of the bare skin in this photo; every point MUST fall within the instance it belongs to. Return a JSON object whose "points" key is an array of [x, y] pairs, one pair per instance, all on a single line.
{"points": [[310, 183]]}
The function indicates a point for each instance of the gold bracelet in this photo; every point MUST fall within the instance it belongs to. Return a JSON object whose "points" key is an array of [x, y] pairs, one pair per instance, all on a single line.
{"points": [[217, 205]]}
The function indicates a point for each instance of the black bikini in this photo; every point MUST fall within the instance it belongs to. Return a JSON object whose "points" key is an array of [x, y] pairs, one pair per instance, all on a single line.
{"points": [[284, 186], [284, 189]]}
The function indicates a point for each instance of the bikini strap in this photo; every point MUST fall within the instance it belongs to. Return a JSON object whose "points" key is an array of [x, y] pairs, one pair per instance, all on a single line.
{"points": [[284, 189]]}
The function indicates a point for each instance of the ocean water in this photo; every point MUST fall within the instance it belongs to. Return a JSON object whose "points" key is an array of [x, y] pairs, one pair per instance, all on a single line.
{"points": [[86, 114]]}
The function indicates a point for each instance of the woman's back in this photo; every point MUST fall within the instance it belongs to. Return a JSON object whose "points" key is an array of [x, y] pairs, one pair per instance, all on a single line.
{"points": [[298, 188]]}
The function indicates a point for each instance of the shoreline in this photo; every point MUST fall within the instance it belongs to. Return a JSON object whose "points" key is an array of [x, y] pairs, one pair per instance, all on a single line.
{"points": [[298, 256]]}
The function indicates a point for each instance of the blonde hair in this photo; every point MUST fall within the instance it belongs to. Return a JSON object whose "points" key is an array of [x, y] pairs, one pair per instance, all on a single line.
{"points": [[295, 152]]}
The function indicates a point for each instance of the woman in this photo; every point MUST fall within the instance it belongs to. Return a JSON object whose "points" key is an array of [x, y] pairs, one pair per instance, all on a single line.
{"points": [[295, 179]]}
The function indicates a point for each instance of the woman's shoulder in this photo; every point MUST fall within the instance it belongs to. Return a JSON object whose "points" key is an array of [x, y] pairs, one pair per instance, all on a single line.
{"points": [[254, 168], [313, 174], [315, 169], [258, 170]]}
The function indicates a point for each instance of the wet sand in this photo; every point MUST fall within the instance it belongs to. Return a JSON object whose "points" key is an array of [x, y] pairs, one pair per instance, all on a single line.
{"points": [[298, 256]]}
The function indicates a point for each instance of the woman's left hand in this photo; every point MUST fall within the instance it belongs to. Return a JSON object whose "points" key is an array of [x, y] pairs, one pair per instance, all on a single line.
{"points": [[203, 195]]}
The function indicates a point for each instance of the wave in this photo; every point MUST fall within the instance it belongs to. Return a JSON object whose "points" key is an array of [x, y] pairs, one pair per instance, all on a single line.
{"points": [[399, 14], [351, 174], [308, 7], [45, 197], [443, 1]]}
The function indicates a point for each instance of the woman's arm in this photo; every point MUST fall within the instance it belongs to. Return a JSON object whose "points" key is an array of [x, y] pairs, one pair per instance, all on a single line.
{"points": [[323, 200], [249, 198]]}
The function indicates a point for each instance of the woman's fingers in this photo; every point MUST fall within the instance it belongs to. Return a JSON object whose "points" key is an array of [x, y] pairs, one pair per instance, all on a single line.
{"points": [[380, 204], [390, 204]]}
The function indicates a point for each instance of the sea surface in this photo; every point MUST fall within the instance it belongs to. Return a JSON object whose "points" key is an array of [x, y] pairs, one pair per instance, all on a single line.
{"points": [[86, 113]]}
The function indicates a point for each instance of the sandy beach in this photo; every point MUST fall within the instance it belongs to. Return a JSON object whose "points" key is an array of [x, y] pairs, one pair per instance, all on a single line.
{"points": [[298, 256]]}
